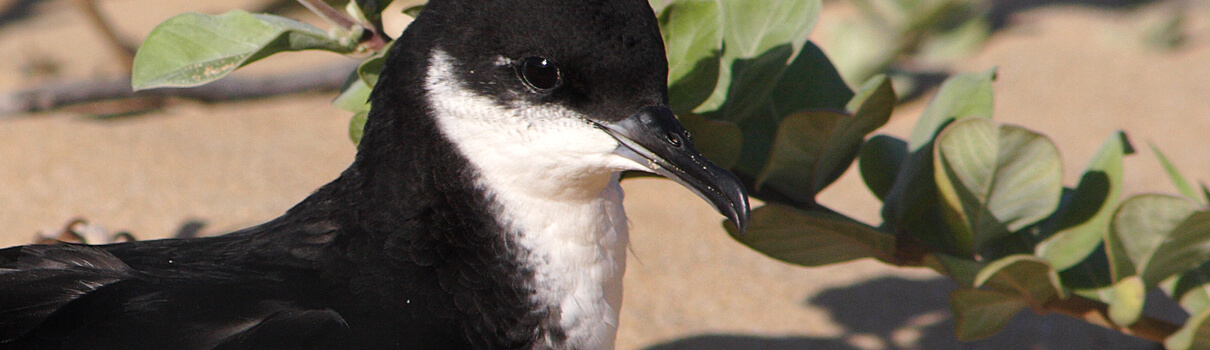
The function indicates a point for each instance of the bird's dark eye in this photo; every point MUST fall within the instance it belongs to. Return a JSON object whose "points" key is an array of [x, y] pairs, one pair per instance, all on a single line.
{"points": [[540, 73]]}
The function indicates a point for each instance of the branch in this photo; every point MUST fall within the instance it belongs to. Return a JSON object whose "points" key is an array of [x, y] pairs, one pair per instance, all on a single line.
{"points": [[124, 50], [372, 38], [330, 14], [232, 88], [910, 252], [1096, 312]]}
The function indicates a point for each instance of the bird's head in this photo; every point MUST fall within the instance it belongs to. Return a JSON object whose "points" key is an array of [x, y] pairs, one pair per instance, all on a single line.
{"points": [[557, 92]]}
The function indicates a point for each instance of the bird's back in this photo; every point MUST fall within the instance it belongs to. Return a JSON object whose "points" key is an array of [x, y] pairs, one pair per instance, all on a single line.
{"points": [[326, 275]]}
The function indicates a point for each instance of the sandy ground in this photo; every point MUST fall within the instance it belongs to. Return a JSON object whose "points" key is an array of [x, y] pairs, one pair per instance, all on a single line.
{"points": [[1074, 73]]}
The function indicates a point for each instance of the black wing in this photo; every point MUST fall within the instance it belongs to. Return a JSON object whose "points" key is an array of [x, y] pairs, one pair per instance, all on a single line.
{"points": [[83, 297], [35, 281]]}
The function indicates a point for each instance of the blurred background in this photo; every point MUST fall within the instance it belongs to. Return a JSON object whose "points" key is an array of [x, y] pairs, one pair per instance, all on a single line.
{"points": [[157, 166]]}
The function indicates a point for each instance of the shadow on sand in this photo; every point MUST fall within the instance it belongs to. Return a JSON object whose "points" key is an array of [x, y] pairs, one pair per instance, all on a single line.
{"points": [[897, 313]]}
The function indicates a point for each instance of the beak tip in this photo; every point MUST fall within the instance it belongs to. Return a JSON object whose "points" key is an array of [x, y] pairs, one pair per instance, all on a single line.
{"points": [[644, 138], [741, 218], [738, 211]]}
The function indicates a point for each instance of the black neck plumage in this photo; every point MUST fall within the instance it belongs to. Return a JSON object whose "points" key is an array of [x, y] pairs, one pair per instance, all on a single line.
{"points": [[407, 233]]}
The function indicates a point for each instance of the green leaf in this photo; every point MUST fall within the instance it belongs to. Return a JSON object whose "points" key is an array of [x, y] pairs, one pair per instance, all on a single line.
{"points": [[1017, 242], [414, 11], [809, 83], [658, 5], [812, 238], [912, 207], [1194, 335], [1192, 289], [753, 28], [369, 69], [372, 9], [861, 48], [1084, 222], [956, 43], [1102, 294], [748, 99], [719, 141], [799, 145], [1168, 285], [1027, 276], [980, 314], [912, 204], [962, 270], [917, 13], [194, 49], [1129, 295], [812, 82], [768, 32], [1169, 34], [759, 135], [961, 96], [871, 110], [812, 149], [1186, 247], [995, 180], [1156, 238], [693, 39], [880, 161], [355, 12], [1182, 185], [357, 126], [1092, 277], [355, 97], [876, 95]]}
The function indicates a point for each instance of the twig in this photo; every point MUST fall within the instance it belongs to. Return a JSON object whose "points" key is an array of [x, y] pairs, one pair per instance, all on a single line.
{"points": [[11, 10], [122, 48], [1097, 313], [910, 253], [232, 88], [330, 14], [372, 39]]}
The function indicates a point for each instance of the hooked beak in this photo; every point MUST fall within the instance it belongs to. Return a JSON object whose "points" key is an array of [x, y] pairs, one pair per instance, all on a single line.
{"points": [[654, 138]]}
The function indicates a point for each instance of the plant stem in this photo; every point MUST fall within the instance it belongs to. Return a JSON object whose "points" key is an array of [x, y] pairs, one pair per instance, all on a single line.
{"points": [[124, 51], [910, 252], [65, 94], [329, 14], [1096, 312], [373, 39]]}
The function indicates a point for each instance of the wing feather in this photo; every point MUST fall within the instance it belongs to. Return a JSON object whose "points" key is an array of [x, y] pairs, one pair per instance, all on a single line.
{"points": [[37, 280], [83, 297]]}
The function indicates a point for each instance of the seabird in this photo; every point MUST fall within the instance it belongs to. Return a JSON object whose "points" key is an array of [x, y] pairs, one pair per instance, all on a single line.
{"points": [[482, 210]]}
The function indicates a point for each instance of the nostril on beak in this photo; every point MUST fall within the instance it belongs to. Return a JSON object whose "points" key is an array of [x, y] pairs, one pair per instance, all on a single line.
{"points": [[673, 139]]}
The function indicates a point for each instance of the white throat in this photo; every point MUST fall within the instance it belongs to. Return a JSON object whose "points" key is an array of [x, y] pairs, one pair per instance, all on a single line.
{"points": [[555, 181]]}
